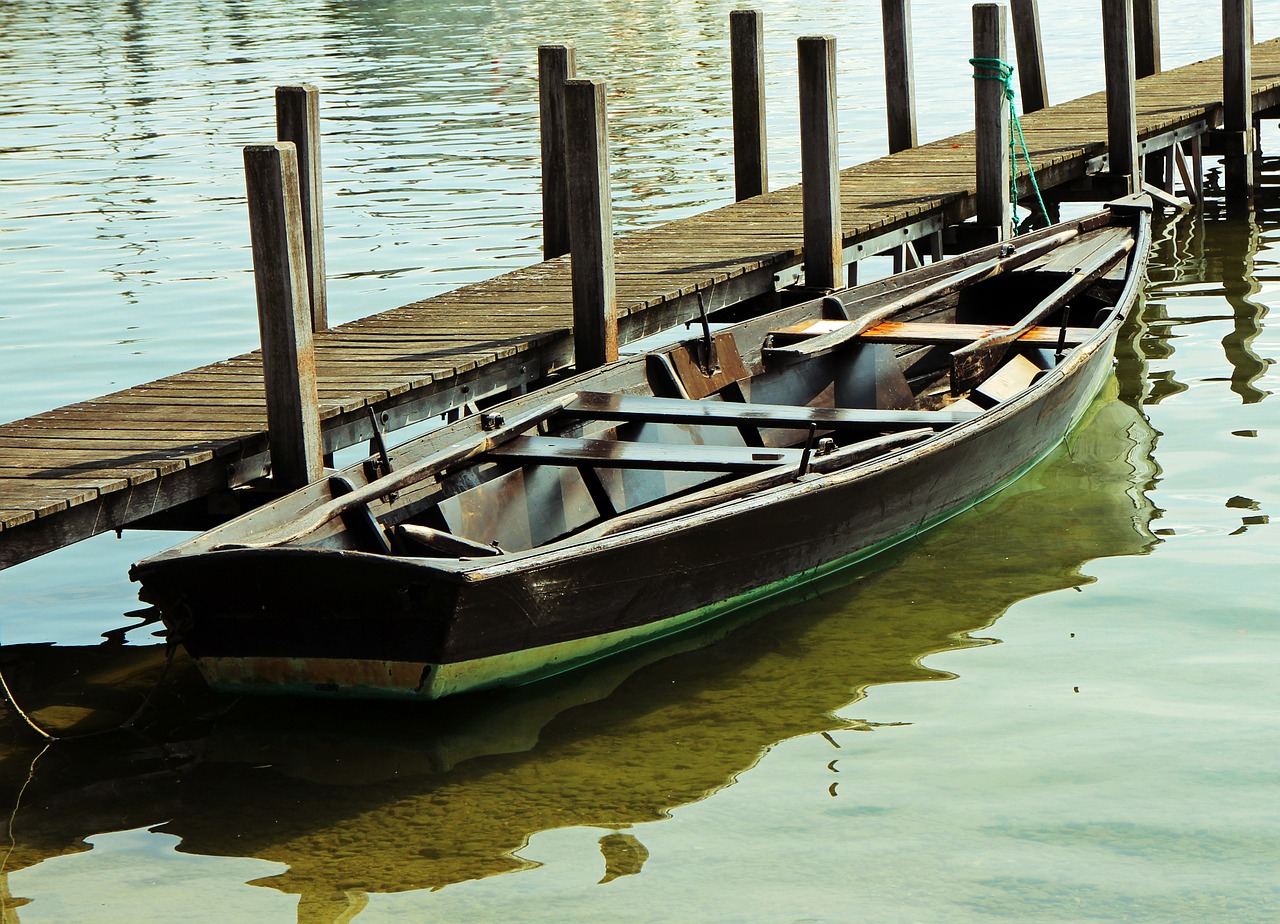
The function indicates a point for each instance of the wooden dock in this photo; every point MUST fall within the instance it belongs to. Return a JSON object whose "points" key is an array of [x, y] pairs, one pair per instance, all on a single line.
{"points": [[128, 457]]}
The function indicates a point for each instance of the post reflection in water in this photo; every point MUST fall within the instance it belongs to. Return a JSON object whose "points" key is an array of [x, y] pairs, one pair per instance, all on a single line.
{"points": [[1189, 256], [357, 800]]}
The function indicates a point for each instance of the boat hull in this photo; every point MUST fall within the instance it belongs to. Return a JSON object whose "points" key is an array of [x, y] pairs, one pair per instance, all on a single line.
{"points": [[350, 624]]}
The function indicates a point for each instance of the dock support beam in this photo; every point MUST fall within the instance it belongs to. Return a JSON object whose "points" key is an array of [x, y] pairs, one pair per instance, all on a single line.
{"points": [[899, 81], [746, 65], [820, 163], [1237, 58], [284, 313], [595, 300], [1122, 108], [995, 211], [1029, 47], [555, 66], [298, 121]]}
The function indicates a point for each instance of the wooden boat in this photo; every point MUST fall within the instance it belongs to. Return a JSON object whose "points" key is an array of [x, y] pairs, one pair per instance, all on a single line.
{"points": [[655, 493]]}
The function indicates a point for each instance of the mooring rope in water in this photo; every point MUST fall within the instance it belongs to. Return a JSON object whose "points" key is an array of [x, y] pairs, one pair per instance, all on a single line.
{"points": [[171, 649], [1003, 72]]}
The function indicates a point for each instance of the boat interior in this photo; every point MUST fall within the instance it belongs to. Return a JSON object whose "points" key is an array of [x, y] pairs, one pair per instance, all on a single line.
{"points": [[828, 383]]}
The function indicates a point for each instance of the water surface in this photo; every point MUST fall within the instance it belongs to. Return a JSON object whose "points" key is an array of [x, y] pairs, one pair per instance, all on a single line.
{"points": [[1059, 706]]}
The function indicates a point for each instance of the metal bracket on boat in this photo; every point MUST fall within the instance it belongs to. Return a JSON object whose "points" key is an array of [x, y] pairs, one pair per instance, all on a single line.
{"points": [[1062, 334], [803, 468], [376, 467], [491, 421], [707, 359]]}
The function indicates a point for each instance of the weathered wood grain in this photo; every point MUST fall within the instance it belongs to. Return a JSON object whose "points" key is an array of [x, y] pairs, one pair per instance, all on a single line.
{"points": [[991, 114], [899, 79], [820, 162], [746, 64], [555, 66], [284, 311]]}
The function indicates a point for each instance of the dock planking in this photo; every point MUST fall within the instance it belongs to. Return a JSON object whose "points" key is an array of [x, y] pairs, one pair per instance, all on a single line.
{"points": [[115, 460]]}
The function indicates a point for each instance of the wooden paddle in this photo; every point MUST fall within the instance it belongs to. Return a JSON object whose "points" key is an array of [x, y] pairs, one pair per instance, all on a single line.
{"points": [[975, 361]]}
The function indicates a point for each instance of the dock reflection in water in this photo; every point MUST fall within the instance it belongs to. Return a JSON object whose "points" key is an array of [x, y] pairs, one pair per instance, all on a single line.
{"points": [[358, 799]]}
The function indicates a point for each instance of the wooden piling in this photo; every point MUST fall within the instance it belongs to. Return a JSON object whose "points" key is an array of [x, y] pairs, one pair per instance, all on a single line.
{"points": [[1029, 47], [1237, 120], [820, 162], [555, 66], [595, 301], [298, 121], [284, 313], [994, 210], [1146, 37], [1122, 116], [746, 65], [899, 79]]}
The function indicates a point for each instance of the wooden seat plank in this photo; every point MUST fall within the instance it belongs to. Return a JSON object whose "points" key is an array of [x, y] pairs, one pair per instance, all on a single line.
{"points": [[552, 450], [599, 406], [930, 333]]}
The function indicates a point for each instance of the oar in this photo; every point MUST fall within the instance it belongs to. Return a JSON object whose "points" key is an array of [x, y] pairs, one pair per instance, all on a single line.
{"points": [[975, 361], [410, 474], [824, 343]]}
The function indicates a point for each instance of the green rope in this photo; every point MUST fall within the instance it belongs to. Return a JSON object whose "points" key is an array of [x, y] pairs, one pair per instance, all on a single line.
{"points": [[1004, 74]]}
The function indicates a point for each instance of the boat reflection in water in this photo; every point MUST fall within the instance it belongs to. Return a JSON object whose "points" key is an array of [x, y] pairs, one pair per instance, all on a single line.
{"points": [[358, 799]]}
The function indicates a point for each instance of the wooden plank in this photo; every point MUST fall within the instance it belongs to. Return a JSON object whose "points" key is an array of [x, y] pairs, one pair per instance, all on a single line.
{"points": [[934, 334], [1011, 379], [598, 406], [549, 450], [10, 517]]}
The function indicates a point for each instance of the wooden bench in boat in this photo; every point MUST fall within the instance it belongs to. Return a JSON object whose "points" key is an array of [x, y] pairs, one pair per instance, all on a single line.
{"points": [[599, 406], [597, 453], [928, 333]]}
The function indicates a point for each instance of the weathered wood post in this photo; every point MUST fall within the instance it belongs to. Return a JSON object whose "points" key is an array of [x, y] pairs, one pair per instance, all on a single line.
{"points": [[1029, 47], [595, 300], [1237, 117], [899, 80], [555, 66], [284, 313], [1122, 111], [1158, 166], [298, 121], [1146, 37], [820, 162], [746, 66], [994, 208], [900, 101]]}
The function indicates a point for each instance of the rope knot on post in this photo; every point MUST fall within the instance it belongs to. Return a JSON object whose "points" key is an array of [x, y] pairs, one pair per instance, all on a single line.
{"points": [[1002, 72]]}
